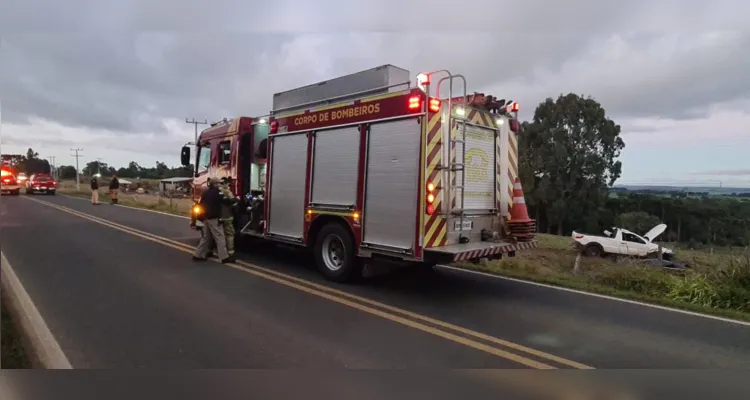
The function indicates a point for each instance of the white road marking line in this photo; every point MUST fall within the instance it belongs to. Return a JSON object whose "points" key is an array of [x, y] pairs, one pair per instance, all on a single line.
{"points": [[602, 296], [30, 321]]}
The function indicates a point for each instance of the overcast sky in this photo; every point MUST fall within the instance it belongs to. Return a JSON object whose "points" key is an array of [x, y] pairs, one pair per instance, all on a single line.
{"points": [[118, 78]]}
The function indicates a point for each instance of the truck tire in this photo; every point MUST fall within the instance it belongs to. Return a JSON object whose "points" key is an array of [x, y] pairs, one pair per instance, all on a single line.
{"points": [[593, 250], [335, 255]]}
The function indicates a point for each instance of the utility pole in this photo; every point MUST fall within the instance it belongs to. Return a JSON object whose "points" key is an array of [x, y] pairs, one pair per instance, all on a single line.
{"points": [[77, 155], [196, 123], [53, 169], [99, 166]]}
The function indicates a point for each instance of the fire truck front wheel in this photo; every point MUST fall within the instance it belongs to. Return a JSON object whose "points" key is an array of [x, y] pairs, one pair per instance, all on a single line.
{"points": [[335, 254]]}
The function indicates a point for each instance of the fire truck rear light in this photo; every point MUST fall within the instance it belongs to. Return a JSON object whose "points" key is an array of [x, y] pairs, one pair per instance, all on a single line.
{"points": [[415, 103], [430, 187], [434, 105], [430, 209], [430, 198]]}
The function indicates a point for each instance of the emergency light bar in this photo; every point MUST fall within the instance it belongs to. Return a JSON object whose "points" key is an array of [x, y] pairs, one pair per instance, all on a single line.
{"points": [[423, 80]]}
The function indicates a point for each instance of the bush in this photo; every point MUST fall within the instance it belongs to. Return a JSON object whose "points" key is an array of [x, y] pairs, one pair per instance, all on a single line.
{"points": [[641, 280]]}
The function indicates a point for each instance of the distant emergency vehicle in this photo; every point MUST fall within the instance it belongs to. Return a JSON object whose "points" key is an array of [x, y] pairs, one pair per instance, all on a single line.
{"points": [[366, 166], [9, 181]]}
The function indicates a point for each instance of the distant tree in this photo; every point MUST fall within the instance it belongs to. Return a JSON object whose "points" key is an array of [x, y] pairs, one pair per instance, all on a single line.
{"points": [[67, 172], [94, 167], [637, 221], [32, 164], [568, 160], [31, 154]]}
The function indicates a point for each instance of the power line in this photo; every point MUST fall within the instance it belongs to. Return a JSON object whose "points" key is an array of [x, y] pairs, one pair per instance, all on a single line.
{"points": [[196, 123], [77, 155], [54, 168]]}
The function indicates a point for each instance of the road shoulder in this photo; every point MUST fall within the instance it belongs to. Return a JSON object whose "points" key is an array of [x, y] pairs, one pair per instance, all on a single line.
{"points": [[42, 347]]}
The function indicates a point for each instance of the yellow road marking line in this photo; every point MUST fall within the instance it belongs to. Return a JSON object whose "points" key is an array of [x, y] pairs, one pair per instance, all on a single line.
{"points": [[341, 298]]}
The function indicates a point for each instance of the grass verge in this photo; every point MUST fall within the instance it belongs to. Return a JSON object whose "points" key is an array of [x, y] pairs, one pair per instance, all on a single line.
{"points": [[148, 202], [12, 353], [717, 284]]}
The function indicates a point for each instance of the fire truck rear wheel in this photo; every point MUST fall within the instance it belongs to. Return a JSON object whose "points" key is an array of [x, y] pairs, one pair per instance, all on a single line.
{"points": [[335, 255]]}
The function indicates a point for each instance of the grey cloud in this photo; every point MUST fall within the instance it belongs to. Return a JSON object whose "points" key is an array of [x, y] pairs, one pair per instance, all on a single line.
{"points": [[726, 172], [97, 69]]}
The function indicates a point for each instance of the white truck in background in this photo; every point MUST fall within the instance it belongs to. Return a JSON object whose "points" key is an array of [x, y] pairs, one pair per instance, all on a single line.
{"points": [[622, 242]]}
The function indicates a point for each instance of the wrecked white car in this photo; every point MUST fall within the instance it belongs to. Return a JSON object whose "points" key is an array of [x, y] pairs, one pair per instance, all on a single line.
{"points": [[622, 242]]}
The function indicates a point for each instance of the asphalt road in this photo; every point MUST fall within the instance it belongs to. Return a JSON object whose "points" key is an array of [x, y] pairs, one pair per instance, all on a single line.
{"points": [[118, 298]]}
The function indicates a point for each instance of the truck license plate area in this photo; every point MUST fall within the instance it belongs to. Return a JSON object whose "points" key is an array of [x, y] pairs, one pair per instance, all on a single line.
{"points": [[467, 225]]}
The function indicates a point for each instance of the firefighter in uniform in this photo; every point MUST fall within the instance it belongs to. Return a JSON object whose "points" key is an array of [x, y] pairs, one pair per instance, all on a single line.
{"points": [[227, 215], [212, 234]]}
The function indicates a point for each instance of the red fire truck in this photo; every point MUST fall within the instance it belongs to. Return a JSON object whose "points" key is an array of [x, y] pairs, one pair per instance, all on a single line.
{"points": [[367, 166]]}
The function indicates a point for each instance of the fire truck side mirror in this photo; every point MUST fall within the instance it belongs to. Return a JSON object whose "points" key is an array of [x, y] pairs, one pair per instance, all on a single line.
{"points": [[185, 156]]}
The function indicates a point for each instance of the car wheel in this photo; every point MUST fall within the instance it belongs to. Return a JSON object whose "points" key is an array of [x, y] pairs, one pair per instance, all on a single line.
{"points": [[594, 250], [335, 255]]}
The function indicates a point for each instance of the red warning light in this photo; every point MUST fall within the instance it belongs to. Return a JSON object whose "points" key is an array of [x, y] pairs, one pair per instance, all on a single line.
{"points": [[434, 105], [415, 103], [430, 209]]}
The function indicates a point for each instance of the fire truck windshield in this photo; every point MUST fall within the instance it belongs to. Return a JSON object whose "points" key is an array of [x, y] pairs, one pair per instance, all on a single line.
{"points": [[204, 158]]}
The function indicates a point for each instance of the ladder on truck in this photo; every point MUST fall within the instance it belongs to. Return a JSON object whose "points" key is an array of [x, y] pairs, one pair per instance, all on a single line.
{"points": [[447, 164]]}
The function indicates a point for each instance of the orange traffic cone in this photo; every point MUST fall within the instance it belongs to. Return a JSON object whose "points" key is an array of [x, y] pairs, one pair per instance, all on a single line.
{"points": [[520, 225]]}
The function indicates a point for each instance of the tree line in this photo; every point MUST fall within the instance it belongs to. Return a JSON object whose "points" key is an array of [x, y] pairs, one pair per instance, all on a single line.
{"points": [[30, 163], [568, 164]]}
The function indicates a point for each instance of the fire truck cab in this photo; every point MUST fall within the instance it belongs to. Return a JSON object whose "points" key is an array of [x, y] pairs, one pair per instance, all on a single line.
{"points": [[367, 165]]}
